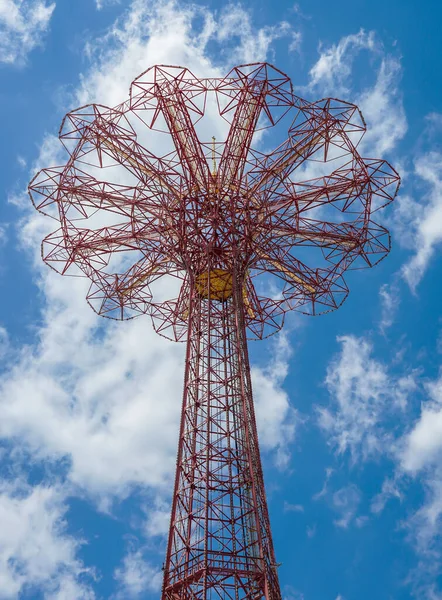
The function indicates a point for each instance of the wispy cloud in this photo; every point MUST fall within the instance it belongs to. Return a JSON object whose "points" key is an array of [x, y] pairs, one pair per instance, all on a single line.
{"points": [[362, 394], [381, 102], [390, 489], [419, 222], [276, 417], [23, 25], [390, 299], [332, 70], [422, 446], [36, 552], [288, 507], [346, 502], [136, 576], [383, 110], [103, 3]]}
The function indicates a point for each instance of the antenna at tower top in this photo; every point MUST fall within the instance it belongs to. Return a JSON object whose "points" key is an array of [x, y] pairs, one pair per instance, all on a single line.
{"points": [[213, 156]]}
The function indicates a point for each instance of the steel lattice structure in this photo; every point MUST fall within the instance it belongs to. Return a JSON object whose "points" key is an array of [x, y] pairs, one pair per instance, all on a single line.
{"points": [[248, 235]]}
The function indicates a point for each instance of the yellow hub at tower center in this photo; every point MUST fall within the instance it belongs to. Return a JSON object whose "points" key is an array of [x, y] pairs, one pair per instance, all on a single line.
{"points": [[216, 284]]}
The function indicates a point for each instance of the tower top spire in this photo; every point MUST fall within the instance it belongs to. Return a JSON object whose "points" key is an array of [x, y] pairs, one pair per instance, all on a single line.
{"points": [[213, 156]]}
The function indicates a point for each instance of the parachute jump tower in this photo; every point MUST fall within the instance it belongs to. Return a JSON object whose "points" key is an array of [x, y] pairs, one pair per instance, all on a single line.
{"points": [[152, 207]]}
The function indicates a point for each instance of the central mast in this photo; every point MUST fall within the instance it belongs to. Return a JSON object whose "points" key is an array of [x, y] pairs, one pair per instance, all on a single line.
{"points": [[220, 543]]}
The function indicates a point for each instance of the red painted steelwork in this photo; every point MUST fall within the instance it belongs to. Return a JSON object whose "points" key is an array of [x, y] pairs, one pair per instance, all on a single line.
{"points": [[220, 543], [216, 217]]}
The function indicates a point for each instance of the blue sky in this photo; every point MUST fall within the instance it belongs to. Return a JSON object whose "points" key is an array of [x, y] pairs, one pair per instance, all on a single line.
{"points": [[349, 404]]}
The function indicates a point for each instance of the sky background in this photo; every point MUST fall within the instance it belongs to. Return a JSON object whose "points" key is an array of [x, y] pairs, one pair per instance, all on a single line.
{"points": [[349, 404]]}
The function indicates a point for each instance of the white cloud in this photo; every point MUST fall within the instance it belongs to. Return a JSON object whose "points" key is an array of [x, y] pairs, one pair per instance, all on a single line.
{"points": [[404, 221], [423, 444], [110, 404], [390, 489], [383, 110], [166, 32], [424, 529], [151, 33], [295, 44], [293, 507], [420, 223], [390, 300], [253, 45], [4, 342], [3, 234], [69, 588], [311, 531], [23, 24], [417, 454], [22, 162], [426, 524], [136, 576], [357, 383], [102, 3], [363, 395], [345, 502], [158, 517], [275, 416], [324, 490], [35, 550], [333, 68], [381, 103], [289, 593]]}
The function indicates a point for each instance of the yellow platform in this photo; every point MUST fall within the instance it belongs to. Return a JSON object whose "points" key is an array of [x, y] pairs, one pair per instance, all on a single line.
{"points": [[216, 284]]}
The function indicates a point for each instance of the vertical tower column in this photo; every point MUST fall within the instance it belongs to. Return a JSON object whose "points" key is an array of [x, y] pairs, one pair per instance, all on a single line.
{"points": [[220, 544]]}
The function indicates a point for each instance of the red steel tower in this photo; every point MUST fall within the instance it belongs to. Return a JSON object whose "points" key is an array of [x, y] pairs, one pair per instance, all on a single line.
{"points": [[237, 237]]}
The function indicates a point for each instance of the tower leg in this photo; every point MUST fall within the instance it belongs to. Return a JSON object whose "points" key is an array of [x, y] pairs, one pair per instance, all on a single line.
{"points": [[220, 544]]}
